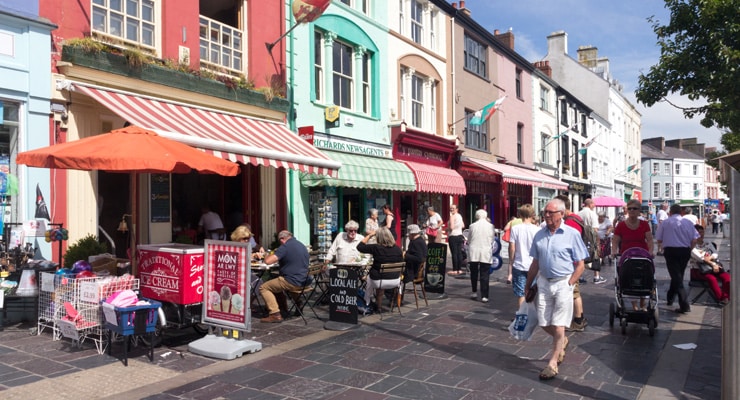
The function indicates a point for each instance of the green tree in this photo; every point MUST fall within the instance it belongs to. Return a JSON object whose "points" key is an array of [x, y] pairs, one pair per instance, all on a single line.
{"points": [[700, 58]]}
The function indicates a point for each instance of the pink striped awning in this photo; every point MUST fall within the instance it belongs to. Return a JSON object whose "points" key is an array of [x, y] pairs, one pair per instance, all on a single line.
{"points": [[521, 176], [432, 179], [232, 137]]}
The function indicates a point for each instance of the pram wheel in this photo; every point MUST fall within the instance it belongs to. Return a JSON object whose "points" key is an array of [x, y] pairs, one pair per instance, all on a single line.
{"points": [[651, 326], [611, 315]]}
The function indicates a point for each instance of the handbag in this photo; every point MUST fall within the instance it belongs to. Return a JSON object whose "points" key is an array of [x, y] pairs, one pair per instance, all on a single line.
{"points": [[531, 294], [431, 231], [524, 323]]}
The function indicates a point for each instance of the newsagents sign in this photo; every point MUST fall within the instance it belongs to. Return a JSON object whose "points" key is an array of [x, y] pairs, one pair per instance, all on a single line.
{"points": [[345, 146]]}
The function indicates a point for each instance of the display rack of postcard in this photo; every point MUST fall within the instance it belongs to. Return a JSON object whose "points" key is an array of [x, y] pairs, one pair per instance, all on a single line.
{"points": [[326, 218]]}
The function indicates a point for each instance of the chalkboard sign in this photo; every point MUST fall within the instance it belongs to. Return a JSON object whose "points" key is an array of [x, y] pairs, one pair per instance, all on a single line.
{"points": [[434, 277], [343, 284], [160, 197]]}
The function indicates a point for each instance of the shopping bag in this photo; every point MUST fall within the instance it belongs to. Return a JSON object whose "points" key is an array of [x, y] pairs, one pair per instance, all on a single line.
{"points": [[524, 323]]}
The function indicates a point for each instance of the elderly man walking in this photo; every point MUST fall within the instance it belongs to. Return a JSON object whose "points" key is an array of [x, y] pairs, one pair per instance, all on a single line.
{"points": [[557, 262], [676, 237]]}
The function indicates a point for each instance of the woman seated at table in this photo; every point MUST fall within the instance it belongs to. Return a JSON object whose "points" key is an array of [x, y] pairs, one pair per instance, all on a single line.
{"points": [[384, 251], [244, 235]]}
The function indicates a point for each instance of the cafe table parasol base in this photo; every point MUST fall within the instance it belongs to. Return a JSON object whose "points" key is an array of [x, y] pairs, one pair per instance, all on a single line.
{"points": [[222, 347], [339, 326]]}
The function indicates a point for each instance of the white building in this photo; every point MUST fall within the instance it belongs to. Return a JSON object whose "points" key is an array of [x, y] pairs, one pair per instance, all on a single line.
{"points": [[672, 171]]}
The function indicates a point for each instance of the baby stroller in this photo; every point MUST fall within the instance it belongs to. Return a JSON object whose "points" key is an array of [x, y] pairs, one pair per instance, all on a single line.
{"points": [[635, 281]]}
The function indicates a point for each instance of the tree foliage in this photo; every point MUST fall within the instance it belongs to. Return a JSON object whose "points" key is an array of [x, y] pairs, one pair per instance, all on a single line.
{"points": [[700, 59]]}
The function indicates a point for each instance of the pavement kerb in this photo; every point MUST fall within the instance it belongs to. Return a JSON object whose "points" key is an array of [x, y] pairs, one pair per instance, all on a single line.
{"points": [[673, 364]]}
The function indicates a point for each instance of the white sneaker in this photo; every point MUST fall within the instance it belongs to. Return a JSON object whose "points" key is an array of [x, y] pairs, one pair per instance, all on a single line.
{"points": [[474, 295], [484, 300]]}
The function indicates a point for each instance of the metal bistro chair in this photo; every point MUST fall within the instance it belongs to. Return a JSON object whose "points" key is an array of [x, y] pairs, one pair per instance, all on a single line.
{"points": [[300, 297], [418, 281], [392, 268]]}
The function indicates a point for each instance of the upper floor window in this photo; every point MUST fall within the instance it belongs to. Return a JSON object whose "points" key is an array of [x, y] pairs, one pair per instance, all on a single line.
{"points": [[366, 83], [667, 169], [475, 57], [696, 170], [678, 190], [220, 44], [656, 168], [519, 140], [574, 159], [696, 189], [518, 83], [417, 24], [564, 112], [544, 143], [130, 20], [656, 189], [342, 74], [359, 5], [584, 125], [678, 169], [544, 98], [476, 136], [667, 190], [417, 100], [318, 65]]}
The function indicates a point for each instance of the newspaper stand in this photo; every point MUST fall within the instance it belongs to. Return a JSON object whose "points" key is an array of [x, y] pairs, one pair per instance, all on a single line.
{"points": [[133, 320], [71, 307]]}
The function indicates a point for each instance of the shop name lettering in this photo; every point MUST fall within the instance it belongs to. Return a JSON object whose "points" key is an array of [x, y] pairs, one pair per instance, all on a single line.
{"points": [[164, 261], [226, 264], [421, 153], [348, 148]]}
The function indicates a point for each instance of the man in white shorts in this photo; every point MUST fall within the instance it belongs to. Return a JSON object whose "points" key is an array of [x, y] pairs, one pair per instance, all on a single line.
{"points": [[557, 262]]}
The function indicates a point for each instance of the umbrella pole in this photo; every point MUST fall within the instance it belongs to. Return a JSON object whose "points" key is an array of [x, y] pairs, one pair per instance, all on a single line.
{"points": [[134, 216]]}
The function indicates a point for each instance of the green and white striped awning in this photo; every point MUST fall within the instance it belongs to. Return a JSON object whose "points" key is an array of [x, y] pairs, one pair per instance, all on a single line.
{"points": [[364, 172]]}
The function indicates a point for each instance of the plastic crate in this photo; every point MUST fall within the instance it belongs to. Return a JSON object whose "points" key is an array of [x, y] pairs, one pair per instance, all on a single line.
{"points": [[134, 320]]}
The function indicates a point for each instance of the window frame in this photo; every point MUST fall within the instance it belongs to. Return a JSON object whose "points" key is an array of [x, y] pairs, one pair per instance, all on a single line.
{"points": [[318, 60], [656, 169], [479, 59], [125, 17], [416, 30], [519, 142], [544, 141], [656, 190], [678, 190], [518, 83], [417, 101], [667, 169], [339, 76], [544, 98], [480, 132], [677, 168]]}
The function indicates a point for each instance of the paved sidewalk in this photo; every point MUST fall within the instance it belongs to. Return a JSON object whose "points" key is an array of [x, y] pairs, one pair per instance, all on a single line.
{"points": [[456, 348]]}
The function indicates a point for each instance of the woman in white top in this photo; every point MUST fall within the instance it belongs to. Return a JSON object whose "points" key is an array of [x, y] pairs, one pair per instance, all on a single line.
{"points": [[433, 225], [480, 257], [371, 224]]}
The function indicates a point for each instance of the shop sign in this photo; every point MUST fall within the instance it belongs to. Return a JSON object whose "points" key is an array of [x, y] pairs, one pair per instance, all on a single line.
{"points": [[434, 276], [160, 197], [343, 284], [637, 195], [421, 153], [331, 113], [227, 287], [352, 148], [306, 133]]}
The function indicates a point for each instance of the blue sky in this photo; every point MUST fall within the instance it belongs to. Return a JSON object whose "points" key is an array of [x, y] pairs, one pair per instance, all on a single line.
{"points": [[621, 32]]}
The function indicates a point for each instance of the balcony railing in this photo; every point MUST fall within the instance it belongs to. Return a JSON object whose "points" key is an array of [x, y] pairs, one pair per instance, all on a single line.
{"points": [[220, 47]]}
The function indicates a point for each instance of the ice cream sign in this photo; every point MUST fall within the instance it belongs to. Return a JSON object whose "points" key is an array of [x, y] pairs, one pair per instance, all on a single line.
{"points": [[169, 276], [227, 289]]}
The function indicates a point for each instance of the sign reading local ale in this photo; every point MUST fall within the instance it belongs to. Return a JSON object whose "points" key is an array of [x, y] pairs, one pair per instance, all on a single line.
{"points": [[343, 284], [434, 277]]}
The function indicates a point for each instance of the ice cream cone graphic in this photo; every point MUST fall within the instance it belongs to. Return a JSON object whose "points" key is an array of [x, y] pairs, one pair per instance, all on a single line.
{"points": [[225, 299]]}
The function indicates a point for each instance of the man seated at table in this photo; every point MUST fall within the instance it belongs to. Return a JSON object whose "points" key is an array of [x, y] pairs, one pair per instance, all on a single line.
{"points": [[384, 252], [415, 254], [293, 259], [344, 247]]}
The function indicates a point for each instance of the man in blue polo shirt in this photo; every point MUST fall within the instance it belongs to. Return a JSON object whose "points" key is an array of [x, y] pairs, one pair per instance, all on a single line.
{"points": [[557, 262], [293, 258]]}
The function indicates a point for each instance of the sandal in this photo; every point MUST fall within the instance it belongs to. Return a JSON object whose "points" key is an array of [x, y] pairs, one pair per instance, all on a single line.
{"points": [[548, 373], [561, 357]]}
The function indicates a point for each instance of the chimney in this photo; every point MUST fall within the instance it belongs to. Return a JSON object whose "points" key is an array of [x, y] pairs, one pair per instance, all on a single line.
{"points": [[544, 66], [463, 9], [588, 56], [507, 39], [557, 43], [657, 142], [454, 5]]}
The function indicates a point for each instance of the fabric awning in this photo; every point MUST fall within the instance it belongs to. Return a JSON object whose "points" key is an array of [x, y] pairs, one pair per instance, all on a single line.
{"points": [[521, 176], [365, 172], [433, 179], [233, 137]]}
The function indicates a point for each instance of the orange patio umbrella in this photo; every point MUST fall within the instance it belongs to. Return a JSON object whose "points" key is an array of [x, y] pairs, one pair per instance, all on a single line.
{"points": [[132, 150]]}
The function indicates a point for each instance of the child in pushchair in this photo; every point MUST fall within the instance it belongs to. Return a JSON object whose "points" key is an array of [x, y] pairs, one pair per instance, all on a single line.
{"points": [[635, 280]]}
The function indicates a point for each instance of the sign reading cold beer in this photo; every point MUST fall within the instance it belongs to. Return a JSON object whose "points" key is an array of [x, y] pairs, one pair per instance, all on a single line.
{"points": [[343, 295]]}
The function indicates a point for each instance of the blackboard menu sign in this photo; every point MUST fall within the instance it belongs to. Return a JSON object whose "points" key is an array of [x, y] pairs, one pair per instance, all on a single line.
{"points": [[434, 281], [160, 200], [343, 284]]}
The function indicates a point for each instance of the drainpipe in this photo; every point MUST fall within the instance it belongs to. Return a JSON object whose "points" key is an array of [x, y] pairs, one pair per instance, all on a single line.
{"points": [[291, 124]]}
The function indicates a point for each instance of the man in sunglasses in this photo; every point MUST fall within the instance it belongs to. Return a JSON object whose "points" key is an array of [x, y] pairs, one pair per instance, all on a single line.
{"points": [[344, 247]]}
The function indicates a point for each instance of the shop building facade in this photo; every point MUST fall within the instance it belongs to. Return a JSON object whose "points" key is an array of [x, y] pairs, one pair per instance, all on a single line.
{"points": [[24, 112]]}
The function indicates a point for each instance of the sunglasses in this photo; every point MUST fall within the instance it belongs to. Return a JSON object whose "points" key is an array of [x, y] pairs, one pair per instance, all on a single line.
{"points": [[352, 231], [632, 208]]}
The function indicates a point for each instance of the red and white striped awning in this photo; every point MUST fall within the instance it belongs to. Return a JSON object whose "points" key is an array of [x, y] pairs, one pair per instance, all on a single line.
{"points": [[232, 137], [433, 179], [520, 176]]}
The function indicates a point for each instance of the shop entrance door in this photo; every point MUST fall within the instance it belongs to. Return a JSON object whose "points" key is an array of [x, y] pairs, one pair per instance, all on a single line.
{"points": [[351, 208]]}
